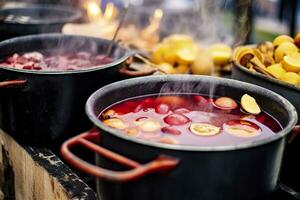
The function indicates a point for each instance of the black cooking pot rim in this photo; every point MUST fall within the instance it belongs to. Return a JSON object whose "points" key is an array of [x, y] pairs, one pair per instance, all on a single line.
{"points": [[75, 14], [264, 77], [118, 61], [158, 78]]}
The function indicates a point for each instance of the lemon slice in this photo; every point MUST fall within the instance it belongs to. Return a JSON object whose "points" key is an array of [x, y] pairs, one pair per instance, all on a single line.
{"points": [[291, 77], [241, 128], [133, 132], [276, 70], [115, 123], [291, 63], [286, 48], [249, 104], [221, 57], [281, 39], [204, 129]]}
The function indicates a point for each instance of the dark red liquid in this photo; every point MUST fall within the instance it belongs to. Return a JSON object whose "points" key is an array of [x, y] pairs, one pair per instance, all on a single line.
{"points": [[173, 118], [50, 61]]}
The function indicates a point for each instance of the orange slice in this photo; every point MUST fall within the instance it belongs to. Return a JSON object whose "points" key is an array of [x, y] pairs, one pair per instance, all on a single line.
{"points": [[115, 123], [242, 128], [204, 129]]}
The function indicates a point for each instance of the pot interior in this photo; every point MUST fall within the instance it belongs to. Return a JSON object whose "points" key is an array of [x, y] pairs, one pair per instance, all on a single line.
{"points": [[269, 101], [60, 43]]}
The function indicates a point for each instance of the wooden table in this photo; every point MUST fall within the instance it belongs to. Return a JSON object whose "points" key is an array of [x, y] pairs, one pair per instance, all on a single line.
{"points": [[28, 173]]}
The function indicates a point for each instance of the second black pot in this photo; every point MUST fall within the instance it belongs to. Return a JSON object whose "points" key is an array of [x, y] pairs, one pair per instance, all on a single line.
{"points": [[49, 106]]}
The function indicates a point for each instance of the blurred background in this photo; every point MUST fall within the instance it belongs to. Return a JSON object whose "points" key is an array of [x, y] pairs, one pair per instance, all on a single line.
{"points": [[232, 21]]}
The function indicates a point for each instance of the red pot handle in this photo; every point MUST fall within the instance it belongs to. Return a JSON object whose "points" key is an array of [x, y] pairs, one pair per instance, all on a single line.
{"points": [[13, 83], [162, 163], [295, 133]]}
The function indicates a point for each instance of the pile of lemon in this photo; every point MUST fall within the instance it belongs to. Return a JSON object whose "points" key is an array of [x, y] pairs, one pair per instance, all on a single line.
{"points": [[180, 54], [280, 58]]}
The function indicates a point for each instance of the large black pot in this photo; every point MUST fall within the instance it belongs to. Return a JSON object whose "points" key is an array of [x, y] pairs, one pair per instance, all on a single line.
{"points": [[47, 105], [245, 171], [41, 18]]}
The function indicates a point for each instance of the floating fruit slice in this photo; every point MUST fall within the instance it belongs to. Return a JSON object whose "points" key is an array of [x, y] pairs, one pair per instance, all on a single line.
{"points": [[139, 121], [200, 99], [276, 70], [115, 123], [181, 110], [242, 128], [281, 39], [132, 132], [108, 114], [249, 104], [162, 109], [167, 140], [171, 100], [225, 103], [291, 77], [291, 63], [204, 129], [150, 125], [171, 130], [176, 119]]}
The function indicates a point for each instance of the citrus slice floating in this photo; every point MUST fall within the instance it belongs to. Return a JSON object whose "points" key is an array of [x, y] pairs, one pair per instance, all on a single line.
{"points": [[204, 129], [225, 103], [150, 125], [249, 104], [242, 128], [115, 123], [133, 132]]}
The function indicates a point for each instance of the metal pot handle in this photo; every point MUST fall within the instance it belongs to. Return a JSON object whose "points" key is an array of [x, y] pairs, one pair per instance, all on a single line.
{"points": [[13, 83], [162, 163]]}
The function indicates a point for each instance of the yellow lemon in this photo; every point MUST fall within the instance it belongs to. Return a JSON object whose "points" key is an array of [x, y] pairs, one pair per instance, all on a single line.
{"points": [[221, 53], [203, 64], [115, 123], [291, 63], [291, 77], [185, 56], [283, 49], [158, 53], [182, 69], [276, 70], [178, 41], [249, 104], [281, 39]]}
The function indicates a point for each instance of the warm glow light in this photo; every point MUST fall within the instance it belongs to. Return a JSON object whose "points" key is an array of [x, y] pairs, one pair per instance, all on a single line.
{"points": [[110, 11], [158, 14], [93, 10]]}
